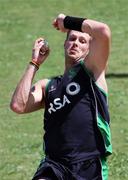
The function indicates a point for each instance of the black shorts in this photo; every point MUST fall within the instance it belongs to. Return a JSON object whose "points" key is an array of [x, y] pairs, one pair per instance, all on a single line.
{"points": [[85, 170]]}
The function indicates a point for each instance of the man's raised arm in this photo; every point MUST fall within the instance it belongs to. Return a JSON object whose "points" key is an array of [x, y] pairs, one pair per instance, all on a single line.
{"points": [[100, 43], [28, 98]]}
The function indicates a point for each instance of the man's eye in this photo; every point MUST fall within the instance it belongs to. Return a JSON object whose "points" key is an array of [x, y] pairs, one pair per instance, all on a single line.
{"points": [[83, 41], [71, 39]]}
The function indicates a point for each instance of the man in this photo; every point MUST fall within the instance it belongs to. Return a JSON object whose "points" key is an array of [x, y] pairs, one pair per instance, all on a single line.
{"points": [[76, 119]]}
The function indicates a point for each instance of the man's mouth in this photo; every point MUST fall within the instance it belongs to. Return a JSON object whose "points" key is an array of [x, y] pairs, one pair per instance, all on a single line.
{"points": [[73, 50]]}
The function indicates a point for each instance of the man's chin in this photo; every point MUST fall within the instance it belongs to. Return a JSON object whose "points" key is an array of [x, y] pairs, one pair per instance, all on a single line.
{"points": [[74, 59]]}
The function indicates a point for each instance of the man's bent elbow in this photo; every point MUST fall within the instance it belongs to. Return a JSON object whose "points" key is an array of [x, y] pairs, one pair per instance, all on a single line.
{"points": [[105, 31], [16, 108]]}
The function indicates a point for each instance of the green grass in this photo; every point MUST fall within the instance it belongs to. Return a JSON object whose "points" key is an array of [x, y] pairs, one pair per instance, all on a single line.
{"points": [[21, 22]]}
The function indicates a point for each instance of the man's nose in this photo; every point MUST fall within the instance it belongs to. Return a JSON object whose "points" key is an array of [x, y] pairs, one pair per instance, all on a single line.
{"points": [[75, 43]]}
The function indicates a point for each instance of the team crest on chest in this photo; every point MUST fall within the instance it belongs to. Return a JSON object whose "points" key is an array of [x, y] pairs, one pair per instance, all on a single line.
{"points": [[73, 88]]}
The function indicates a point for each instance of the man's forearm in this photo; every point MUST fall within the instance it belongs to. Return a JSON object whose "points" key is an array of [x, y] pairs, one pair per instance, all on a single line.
{"points": [[92, 27], [22, 91], [95, 29]]}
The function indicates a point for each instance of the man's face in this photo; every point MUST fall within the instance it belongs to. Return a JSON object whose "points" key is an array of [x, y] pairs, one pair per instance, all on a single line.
{"points": [[76, 45]]}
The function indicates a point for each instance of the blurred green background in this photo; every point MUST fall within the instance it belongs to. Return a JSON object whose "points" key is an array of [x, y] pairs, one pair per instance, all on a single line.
{"points": [[21, 22]]}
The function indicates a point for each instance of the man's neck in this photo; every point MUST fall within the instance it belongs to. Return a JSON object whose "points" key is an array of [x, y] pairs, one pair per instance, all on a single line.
{"points": [[69, 63]]}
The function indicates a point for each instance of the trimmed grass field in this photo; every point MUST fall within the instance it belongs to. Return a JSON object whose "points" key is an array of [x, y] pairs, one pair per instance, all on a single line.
{"points": [[21, 22]]}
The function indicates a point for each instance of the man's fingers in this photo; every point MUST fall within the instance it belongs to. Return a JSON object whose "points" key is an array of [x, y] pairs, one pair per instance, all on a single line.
{"points": [[55, 24], [44, 47]]}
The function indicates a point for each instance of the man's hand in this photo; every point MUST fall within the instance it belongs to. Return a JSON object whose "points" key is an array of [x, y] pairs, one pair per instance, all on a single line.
{"points": [[40, 51], [58, 23]]}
